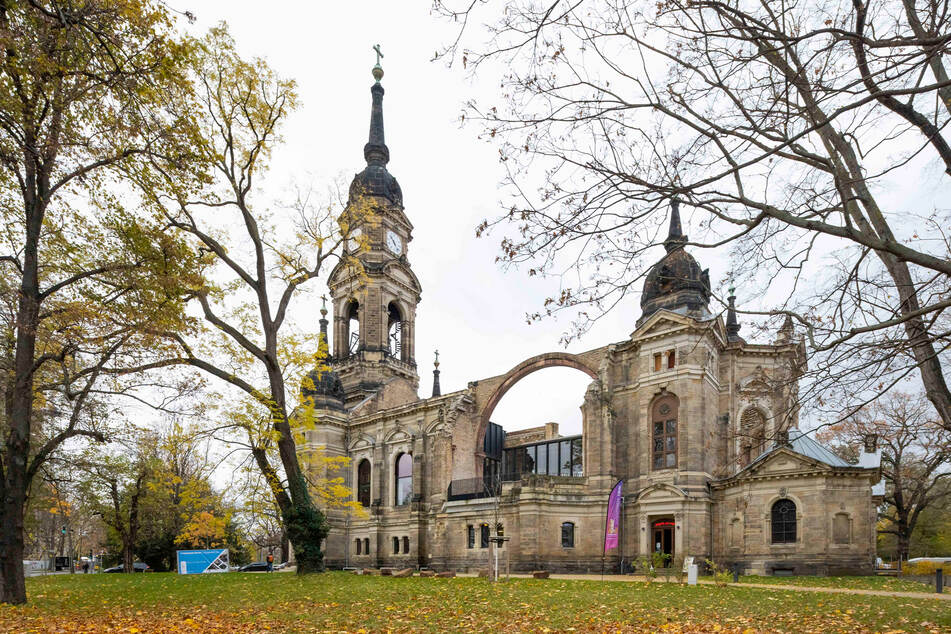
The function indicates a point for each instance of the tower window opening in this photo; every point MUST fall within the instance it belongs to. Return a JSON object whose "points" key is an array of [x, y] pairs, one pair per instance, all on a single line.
{"points": [[395, 332], [353, 326], [671, 358], [658, 362]]}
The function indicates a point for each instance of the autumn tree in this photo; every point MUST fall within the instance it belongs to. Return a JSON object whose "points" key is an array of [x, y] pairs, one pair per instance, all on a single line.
{"points": [[115, 484], [88, 91], [782, 126], [916, 459], [179, 493], [257, 260]]}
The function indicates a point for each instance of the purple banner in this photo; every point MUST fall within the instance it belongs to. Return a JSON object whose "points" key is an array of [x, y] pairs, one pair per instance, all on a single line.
{"points": [[613, 522]]}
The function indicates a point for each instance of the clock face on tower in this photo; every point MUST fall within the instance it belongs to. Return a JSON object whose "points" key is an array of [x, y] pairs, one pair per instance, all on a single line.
{"points": [[394, 243]]}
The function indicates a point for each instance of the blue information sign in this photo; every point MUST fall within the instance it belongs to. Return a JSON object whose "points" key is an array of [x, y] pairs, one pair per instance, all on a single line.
{"points": [[195, 562]]}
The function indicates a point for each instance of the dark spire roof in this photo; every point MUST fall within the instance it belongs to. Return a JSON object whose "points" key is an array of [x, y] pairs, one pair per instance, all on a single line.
{"points": [[676, 283], [436, 389], [732, 325], [375, 180], [675, 235], [322, 387], [375, 151]]}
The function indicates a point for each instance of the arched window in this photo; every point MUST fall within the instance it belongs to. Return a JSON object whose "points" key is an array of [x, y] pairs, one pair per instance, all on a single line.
{"points": [[568, 535], [353, 326], [394, 331], [483, 536], [405, 544], [752, 435], [783, 522], [366, 545], [363, 483], [359, 546], [664, 421], [396, 545], [404, 479]]}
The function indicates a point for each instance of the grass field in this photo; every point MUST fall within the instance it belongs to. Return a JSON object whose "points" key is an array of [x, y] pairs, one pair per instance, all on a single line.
{"points": [[242, 602], [894, 584]]}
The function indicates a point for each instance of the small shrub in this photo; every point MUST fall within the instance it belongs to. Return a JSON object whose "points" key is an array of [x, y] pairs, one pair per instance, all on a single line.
{"points": [[924, 568], [646, 566], [721, 576]]}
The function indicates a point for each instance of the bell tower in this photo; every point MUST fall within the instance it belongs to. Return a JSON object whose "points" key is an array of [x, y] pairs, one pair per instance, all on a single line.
{"points": [[373, 288]]}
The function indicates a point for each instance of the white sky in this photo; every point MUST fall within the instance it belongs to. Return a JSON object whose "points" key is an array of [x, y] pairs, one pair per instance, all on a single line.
{"points": [[472, 311]]}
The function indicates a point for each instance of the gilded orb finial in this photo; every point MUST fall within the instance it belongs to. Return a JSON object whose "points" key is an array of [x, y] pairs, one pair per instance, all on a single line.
{"points": [[378, 70]]}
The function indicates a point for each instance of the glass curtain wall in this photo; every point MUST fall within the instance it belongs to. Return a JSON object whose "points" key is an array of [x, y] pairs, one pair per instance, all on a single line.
{"points": [[559, 457]]}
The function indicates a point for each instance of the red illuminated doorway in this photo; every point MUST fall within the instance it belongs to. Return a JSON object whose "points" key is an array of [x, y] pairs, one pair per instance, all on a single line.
{"points": [[663, 531]]}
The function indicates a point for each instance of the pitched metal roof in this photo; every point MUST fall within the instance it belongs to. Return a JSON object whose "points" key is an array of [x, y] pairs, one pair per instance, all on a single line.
{"points": [[806, 446]]}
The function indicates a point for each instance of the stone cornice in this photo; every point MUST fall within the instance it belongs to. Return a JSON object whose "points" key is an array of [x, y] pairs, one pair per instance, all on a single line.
{"points": [[421, 405], [831, 472]]}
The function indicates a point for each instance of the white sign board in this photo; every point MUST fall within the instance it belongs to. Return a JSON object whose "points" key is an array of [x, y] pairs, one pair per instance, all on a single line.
{"points": [[688, 561]]}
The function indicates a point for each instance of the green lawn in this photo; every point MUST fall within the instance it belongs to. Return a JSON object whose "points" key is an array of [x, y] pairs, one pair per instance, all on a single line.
{"points": [[344, 602], [894, 584]]}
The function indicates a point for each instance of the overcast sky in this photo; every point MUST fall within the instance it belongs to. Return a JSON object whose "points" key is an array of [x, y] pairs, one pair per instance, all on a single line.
{"points": [[471, 310]]}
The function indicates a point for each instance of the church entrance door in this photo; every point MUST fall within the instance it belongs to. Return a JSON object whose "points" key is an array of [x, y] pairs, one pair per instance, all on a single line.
{"points": [[663, 530]]}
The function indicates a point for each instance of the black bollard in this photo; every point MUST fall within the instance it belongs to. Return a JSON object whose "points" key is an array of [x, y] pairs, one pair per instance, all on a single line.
{"points": [[939, 580], [736, 575]]}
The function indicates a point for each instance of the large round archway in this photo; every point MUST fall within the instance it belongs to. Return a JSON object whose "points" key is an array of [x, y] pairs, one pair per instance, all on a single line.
{"points": [[519, 372]]}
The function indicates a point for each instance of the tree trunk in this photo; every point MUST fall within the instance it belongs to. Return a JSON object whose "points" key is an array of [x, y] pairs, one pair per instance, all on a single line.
{"points": [[13, 588], [127, 556], [285, 547], [15, 480]]}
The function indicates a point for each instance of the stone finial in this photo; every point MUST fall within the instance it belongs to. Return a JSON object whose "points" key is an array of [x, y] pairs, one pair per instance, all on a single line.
{"points": [[732, 325], [323, 320], [436, 389], [871, 443], [787, 331]]}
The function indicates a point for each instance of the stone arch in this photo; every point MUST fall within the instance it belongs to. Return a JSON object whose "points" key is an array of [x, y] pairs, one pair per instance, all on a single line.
{"points": [[519, 372], [752, 433]]}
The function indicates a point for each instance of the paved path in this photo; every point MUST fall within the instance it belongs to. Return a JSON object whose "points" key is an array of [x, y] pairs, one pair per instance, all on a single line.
{"points": [[946, 596]]}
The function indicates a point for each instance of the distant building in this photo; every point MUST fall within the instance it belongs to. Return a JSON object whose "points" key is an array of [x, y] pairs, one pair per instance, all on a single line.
{"points": [[699, 423]]}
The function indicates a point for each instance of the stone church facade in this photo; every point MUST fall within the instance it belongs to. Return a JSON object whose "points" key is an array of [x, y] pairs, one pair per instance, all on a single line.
{"points": [[700, 424]]}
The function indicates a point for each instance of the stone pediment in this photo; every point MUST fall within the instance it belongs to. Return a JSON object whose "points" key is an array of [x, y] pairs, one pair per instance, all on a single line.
{"points": [[662, 322], [756, 382], [783, 461], [398, 435], [658, 492], [362, 442]]}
